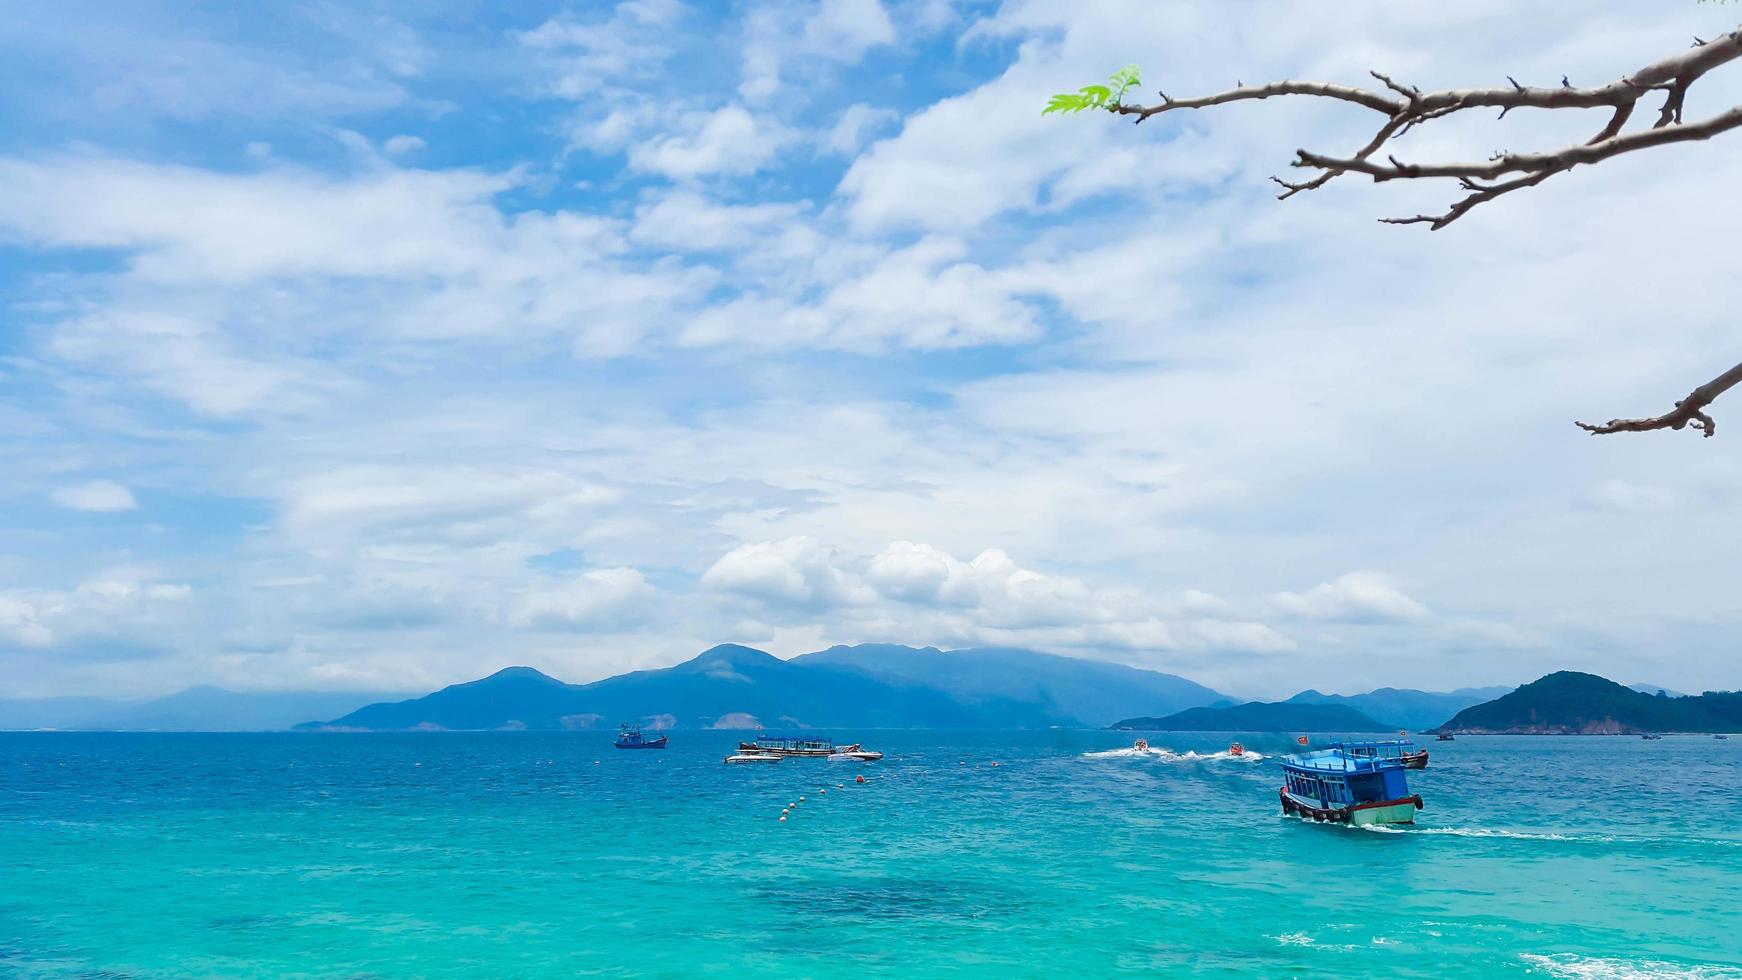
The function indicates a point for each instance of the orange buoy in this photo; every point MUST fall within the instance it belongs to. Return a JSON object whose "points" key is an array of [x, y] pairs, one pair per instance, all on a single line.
{"points": [[859, 779]]}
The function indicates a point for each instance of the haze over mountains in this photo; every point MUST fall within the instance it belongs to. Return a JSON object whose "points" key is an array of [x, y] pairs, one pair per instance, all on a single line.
{"points": [[874, 685], [205, 709], [891, 686]]}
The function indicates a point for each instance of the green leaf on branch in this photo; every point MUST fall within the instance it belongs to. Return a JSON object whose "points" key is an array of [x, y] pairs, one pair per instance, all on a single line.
{"points": [[1095, 96]]}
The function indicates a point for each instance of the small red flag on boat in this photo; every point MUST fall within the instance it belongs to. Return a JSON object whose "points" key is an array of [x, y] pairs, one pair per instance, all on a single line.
{"points": [[1302, 740]]}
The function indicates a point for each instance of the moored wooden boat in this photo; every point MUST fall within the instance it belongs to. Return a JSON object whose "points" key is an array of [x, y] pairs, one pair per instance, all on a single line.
{"points": [[811, 746]]}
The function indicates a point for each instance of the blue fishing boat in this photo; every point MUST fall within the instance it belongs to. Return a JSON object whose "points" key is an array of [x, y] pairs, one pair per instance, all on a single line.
{"points": [[630, 737], [1359, 783]]}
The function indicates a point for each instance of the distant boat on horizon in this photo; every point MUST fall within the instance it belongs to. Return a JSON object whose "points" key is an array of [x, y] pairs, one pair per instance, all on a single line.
{"points": [[630, 737]]}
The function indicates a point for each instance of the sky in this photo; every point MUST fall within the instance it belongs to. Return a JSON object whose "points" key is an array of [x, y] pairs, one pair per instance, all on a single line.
{"points": [[380, 345]]}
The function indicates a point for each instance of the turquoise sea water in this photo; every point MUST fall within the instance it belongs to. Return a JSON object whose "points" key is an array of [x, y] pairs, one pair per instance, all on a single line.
{"points": [[555, 855]]}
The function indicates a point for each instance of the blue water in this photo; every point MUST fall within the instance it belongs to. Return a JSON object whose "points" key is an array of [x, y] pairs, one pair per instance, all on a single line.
{"points": [[554, 855]]}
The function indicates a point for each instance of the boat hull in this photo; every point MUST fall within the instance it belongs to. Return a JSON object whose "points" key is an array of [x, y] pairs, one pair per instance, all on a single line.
{"points": [[1416, 761], [1396, 811], [649, 743]]}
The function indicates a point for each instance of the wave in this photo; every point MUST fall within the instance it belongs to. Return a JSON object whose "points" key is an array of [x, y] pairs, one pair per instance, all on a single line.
{"points": [[1496, 833], [1169, 755], [1575, 967]]}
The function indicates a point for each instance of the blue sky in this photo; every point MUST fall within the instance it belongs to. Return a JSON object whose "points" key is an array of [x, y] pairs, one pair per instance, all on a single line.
{"points": [[383, 345]]}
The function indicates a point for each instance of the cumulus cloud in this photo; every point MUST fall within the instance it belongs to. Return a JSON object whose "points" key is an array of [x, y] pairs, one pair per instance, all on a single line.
{"points": [[101, 496], [797, 572], [1353, 597], [107, 608], [729, 140]]}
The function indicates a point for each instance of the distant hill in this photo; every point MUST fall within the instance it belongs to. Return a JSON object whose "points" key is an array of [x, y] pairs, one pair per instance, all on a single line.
{"points": [[204, 709], [1573, 703], [1070, 690], [1655, 688], [1260, 716], [726, 686], [1413, 710]]}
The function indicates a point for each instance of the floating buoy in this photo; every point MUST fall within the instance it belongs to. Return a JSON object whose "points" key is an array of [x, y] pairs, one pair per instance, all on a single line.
{"points": [[782, 819], [595, 762], [822, 792], [859, 779], [994, 765], [801, 799], [840, 785]]}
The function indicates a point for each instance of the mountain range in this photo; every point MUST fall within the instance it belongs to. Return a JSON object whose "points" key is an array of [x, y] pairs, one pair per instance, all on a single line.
{"points": [[1413, 710], [890, 686], [1262, 716], [872, 685]]}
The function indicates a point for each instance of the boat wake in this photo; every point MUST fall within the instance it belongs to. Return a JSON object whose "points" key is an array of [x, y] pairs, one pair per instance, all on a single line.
{"points": [[1497, 834], [1169, 755], [1575, 967]]}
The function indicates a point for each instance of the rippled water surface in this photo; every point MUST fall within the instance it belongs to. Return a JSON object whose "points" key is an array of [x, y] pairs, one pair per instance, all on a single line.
{"points": [[520, 854]]}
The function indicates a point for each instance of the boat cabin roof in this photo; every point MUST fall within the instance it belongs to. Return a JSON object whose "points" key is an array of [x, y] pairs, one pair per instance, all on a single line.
{"points": [[1336, 760]]}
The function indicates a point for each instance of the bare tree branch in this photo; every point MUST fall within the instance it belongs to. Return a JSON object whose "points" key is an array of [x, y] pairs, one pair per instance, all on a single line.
{"points": [[1405, 107], [1688, 411]]}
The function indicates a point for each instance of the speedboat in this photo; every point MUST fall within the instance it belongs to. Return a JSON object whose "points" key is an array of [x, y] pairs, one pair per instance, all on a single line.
{"points": [[1141, 745], [1445, 737], [630, 737], [854, 754], [1721, 738], [742, 758], [1236, 749], [1652, 737]]}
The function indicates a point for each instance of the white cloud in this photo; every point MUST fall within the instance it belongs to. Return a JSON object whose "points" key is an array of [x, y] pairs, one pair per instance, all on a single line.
{"points": [[855, 126], [1353, 597], [796, 572], [687, 221], [585, 56], [729, 140], [832, 32], [403, 144], [598, 600], [97, 612], [101, 496]]}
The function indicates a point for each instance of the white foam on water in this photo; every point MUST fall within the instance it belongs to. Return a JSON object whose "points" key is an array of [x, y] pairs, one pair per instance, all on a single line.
{"points": [[1169, 755], [1295, 939], [1572, 966]]}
